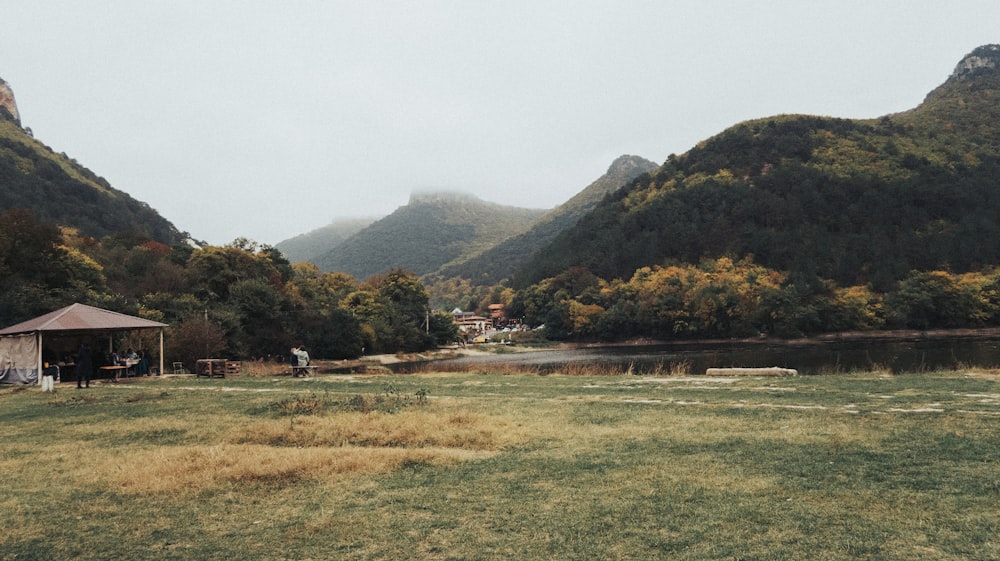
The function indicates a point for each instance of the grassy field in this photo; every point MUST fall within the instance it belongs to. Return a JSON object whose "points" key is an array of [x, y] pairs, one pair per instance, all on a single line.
{"points": [[491, 466]]}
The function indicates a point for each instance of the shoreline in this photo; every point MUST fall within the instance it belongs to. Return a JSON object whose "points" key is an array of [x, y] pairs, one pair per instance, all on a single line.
{"points": [[839, 337], [375, 362]]}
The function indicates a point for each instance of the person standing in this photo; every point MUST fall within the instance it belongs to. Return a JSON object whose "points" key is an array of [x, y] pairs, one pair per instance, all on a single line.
{"points": [[49, 374], [84, 365]]}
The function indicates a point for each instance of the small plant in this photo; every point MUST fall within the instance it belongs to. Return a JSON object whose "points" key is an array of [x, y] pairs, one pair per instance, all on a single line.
{"points": [[682, 368], [311, 404], [391, 400]]}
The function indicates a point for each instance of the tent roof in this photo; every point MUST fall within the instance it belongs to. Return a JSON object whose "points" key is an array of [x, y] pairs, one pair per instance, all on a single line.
{"points": [[79, 317]]}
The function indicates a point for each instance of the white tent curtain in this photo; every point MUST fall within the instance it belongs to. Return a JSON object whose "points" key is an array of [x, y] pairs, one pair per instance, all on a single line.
{"points": [[19, 359]]}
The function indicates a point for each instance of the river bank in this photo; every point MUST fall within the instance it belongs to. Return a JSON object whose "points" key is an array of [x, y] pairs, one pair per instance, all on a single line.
{"points": [[846, 351], [843, 336]]}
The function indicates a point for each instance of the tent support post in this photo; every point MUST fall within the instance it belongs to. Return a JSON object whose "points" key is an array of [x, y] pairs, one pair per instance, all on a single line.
{"points": [[161, 352], [38, 364]]}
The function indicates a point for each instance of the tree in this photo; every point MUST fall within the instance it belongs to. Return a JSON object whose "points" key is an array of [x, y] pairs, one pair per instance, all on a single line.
{"points": [[442, 328], [194, 339], [408, 307], [259, 308], [337, 335], [40, 273], [930, 299]]}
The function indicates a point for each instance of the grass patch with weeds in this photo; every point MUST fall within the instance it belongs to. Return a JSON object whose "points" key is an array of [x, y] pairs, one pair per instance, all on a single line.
{"points": [[854, 466], [390, 400]]}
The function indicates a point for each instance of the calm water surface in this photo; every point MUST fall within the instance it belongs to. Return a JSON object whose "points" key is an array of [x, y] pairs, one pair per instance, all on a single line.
{"points": [[808, 358]]}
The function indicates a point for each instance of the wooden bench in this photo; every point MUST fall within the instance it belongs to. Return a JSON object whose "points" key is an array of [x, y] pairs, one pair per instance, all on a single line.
{"points": [[302, 371]]}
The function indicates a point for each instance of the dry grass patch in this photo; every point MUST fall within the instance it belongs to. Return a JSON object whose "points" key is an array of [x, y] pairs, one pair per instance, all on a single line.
{"points": [[406, 429], [264, 368], [327, 448], [189, 469]]}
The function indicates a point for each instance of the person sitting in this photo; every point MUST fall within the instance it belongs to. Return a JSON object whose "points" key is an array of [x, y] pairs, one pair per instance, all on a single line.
{"points": [[142, 367], [299, 359]]}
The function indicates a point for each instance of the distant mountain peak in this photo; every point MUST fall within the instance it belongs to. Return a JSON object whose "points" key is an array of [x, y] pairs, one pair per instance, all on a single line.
{"points": [[439, 197], [983, 59], [7, 101], [628, 166]]}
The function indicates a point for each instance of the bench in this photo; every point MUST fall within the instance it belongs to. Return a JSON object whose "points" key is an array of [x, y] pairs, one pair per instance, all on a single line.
{"points": [[302, 371]]}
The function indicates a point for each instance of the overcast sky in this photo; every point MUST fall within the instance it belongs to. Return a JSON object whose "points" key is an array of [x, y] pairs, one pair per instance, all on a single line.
{"points": [[270, 119]]}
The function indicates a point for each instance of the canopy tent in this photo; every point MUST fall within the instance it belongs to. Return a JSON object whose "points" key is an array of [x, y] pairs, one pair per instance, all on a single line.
{"points": [[21, 345]]}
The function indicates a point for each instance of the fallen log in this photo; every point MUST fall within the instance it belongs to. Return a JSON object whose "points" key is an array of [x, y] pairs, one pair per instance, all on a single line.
{"points": [[770, 371]]}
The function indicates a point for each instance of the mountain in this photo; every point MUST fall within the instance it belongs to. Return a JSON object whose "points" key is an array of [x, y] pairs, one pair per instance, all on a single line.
{"points": [[309, 246], [501, 261], [433, 230], [853, 201], [58, 190]]}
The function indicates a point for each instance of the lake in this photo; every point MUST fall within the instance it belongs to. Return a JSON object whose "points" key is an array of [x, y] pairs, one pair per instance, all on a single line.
{"points": [[808, 357]]}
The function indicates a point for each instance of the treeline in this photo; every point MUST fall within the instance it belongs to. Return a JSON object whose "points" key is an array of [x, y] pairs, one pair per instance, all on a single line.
{"points": [[240, 300], [246, 300], [723, 298]]}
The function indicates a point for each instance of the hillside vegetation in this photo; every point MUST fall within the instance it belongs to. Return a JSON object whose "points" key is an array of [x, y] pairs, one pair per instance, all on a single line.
{"points": [[852, 201], [500, 262], [433, 230], [308, 246], [59, 191]]}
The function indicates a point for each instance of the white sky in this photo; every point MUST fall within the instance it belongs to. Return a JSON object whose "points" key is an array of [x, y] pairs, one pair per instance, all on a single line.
{"points": [[267, 119]]}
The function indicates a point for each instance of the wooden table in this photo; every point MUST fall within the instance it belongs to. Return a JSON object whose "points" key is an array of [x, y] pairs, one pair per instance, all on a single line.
{"points": [[115, 369]]}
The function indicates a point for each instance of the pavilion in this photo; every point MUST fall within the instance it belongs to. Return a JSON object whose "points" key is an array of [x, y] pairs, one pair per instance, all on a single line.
{"points": [[21, 345]]}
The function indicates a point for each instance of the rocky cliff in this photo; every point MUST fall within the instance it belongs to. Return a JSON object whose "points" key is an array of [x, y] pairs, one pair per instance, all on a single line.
{"points": [[986, 57], [7, 101]]}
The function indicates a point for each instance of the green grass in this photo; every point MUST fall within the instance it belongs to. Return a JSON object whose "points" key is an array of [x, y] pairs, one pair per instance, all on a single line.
{"points": [[505, 467]]}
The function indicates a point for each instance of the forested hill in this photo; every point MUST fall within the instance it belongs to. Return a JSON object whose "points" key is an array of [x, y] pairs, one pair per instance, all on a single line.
{"points": [[308, 246], [434, 229], [854, 201], [57, 190], [500, 262]]}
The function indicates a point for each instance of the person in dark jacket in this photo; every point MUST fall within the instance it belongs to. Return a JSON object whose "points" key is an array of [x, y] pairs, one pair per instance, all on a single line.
{"points": [[84, 365]]}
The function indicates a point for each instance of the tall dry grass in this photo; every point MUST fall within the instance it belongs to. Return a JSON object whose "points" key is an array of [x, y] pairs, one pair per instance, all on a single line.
{"points": [[193, 469], [260, 368], [327, 448], [421, 428]]}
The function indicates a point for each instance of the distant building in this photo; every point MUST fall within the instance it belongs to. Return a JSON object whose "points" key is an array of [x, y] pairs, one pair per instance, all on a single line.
{"points": [[498, 313], [470, 324]]}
